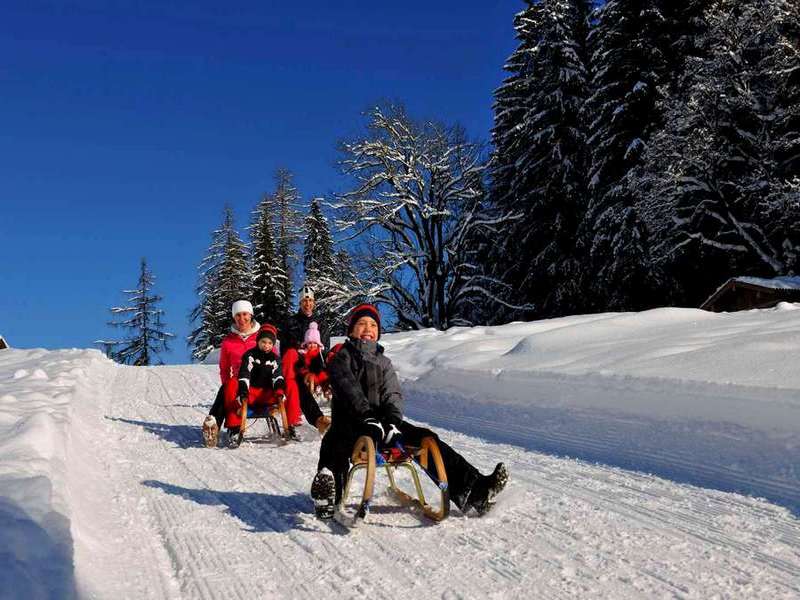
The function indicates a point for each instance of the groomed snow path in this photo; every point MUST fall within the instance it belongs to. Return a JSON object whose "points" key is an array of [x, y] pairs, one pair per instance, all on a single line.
{"points": [[183, 521]]}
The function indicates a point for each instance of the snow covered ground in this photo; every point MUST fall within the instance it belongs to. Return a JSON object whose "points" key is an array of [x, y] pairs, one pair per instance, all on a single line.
{"points": [[105, 491]]}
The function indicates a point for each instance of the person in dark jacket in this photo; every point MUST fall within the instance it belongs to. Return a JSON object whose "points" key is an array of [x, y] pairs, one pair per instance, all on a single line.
{"points": [[367, 401], [291, 340]]}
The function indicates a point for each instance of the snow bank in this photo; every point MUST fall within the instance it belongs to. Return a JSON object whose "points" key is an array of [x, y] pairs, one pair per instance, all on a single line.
{"points": [[37, 391], [707, 398]]}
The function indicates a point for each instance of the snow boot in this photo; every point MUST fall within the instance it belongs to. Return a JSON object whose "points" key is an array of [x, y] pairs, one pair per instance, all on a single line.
{"points": [[210, 432], [293, 435], [233, 438], [484, 490], [323, 491]]}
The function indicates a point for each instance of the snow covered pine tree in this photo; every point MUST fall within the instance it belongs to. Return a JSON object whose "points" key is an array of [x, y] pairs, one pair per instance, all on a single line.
{"points": [[539, 164], [719, 191], [224, 279], [288, 232], [269, 279], [142, 319]]}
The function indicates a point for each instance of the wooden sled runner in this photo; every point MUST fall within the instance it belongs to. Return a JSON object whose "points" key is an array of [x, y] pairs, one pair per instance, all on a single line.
{"points": [[269, 413], [391, 459]]}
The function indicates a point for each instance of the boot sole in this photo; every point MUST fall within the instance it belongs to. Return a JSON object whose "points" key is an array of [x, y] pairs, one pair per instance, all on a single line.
{"points": [[323, 492]]}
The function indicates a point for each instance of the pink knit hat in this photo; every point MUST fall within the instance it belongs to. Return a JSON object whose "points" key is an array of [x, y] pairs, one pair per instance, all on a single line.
{"points": [[312, 335]]}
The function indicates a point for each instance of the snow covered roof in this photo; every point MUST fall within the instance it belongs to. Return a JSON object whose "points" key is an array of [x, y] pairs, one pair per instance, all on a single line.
{"points": [[777, 283], [767, 292]]}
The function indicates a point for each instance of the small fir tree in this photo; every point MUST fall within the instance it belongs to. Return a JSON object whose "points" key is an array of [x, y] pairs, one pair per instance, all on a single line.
{"points": [[143, 320]]}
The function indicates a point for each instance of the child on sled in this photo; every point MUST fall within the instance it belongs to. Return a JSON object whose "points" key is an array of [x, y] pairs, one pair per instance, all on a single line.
{"points": [[260, 382], [310, 367], [367, 401]]}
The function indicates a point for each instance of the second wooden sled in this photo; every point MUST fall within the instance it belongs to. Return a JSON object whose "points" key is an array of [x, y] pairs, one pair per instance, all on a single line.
{"points": [[365, 458], [269, 413]]}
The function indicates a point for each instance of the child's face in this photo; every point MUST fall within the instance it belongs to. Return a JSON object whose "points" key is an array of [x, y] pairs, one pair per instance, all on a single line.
{"points": [[365, 329], [312, 346], [265, 344]]}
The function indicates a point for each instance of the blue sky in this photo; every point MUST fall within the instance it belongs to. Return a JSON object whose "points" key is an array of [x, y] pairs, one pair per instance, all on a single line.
{"points": [[125, 127]]}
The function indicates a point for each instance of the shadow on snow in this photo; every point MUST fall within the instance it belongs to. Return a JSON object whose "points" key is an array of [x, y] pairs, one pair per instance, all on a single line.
{"points": [[259, 512], [184, 436]]}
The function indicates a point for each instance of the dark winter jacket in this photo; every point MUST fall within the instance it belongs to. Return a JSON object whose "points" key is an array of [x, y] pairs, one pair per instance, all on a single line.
{"points": [[295, 330], [364, 385], [262, 370]]}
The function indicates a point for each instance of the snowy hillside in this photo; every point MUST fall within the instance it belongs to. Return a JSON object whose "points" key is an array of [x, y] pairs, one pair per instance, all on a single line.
{"points": [[105, 491], [707, 398]]}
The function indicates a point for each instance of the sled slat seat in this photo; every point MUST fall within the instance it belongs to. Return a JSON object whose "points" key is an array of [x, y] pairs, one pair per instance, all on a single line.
{"points": [[365, 457], [274, 413]]}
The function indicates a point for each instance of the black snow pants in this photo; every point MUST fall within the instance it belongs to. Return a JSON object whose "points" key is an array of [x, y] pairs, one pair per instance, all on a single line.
{"points": [[218, 408], [337, 448]]}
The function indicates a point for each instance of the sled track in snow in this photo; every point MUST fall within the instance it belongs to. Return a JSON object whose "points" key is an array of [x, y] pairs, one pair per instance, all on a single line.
{"points": [[238, 524], [717, 455]]}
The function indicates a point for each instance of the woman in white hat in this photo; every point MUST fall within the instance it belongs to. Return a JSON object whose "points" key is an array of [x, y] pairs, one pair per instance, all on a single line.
{"points": [[241, 338]]}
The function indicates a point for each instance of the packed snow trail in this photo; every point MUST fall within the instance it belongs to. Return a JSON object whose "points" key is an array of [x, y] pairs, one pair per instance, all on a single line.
{"points": [[167, 518]]}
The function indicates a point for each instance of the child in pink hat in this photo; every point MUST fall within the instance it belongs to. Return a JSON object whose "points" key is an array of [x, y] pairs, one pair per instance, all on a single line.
{"points": [[311, 366]]}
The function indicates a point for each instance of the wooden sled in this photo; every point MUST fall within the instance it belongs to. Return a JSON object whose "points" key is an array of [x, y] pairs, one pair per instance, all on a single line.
{"points": [[269, 414], [365, 458]]}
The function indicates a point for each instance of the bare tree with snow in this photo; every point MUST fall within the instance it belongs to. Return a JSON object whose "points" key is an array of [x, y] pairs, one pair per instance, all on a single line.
{"points": [[418, 197]]}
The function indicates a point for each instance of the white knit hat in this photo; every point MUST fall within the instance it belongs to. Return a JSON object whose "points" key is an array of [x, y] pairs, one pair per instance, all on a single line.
{"points": [[241, 306], [306, 292]]}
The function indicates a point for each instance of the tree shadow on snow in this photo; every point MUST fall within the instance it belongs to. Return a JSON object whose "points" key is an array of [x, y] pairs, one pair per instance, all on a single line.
{"points": [[259, 512], [183, 436]]}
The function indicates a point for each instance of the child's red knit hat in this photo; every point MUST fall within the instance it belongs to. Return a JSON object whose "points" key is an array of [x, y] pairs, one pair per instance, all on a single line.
{"points": [[364, 310]]}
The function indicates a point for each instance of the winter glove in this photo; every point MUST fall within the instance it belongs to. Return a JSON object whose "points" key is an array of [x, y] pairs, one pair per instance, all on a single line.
{"points": [[373, 428], [323, 423], [393, 435], [311, 382]]}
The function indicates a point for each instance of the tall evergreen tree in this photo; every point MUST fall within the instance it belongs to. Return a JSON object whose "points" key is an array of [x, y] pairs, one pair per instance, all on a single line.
{"points": [[716, 192], [539, 165], [143, 320], [288, 233], [319, 262], [318, 255], [224, 278], [269, 279], [785, 72], [630, 64]]}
